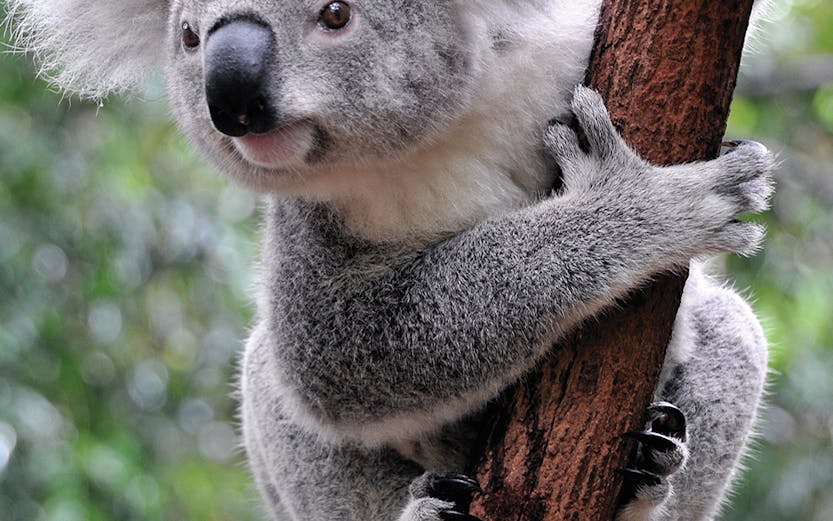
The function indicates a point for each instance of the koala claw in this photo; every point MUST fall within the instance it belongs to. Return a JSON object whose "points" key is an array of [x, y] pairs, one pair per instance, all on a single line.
{"points": [[735, 143], [454, 488], [637, 477], [667, 419], [653, 440], [661, 446], [453, 515], [661, 451], [441, 496], [559, 120]]}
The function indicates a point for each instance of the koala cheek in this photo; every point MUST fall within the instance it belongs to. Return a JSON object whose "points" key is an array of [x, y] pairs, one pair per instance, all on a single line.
{"points": [[187, 101], [300, 98]]}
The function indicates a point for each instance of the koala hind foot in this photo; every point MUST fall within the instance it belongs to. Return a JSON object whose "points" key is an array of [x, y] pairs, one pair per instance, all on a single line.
{"points": [[660, 452], [441, 497]]}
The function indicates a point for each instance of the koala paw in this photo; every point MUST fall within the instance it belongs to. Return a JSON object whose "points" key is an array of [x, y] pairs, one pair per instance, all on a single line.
{"points": [[608, 162], [738, 182], [660, 452], [690, 209], [441, 497]]}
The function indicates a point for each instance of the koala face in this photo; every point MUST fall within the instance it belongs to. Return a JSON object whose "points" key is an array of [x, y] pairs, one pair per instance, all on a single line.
{"points": [[279, 91]]}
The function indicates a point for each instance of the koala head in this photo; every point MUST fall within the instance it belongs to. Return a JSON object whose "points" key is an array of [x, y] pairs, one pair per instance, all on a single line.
{"points": [[270, 89], [429, 106], [277, 91]]}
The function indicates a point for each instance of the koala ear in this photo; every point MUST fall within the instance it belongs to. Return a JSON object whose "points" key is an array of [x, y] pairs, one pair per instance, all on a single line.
{"points": [[92, 47]]}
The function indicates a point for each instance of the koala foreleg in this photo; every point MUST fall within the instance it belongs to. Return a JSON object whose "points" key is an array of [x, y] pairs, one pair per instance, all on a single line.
{"points": [[380, 351]]}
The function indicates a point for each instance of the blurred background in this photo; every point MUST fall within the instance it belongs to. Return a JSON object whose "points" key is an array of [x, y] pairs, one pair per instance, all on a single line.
{"points": [[124, 275]]}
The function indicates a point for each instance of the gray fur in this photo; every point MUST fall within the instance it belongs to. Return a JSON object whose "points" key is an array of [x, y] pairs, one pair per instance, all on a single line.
{"points": [[413, 263]]}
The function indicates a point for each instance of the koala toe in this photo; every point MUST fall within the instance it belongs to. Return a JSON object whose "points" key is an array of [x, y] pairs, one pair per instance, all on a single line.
{"points": [[647, 492], [562, 143], [745, 173], [453, 515], [660, 452], [433, 509], [756, 194], [594, 120], [740, 237], [442, 496]]}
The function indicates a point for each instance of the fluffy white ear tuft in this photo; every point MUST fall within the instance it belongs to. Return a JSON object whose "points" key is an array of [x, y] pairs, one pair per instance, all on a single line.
{"points": [[92, 47]]}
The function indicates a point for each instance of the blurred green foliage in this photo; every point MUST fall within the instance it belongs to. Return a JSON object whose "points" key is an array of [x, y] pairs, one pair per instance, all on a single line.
{"points": [[124, 274]]}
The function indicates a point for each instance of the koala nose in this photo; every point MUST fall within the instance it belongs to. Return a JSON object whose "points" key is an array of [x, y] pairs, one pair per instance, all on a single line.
{"points": [[237, 58]]}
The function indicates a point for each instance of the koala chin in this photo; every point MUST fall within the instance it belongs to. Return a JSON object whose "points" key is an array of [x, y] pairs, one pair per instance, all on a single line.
{"points": [[415, 260]]}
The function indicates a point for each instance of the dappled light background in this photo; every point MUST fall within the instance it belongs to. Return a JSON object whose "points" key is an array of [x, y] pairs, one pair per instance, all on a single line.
{"points": [[125, 270]]}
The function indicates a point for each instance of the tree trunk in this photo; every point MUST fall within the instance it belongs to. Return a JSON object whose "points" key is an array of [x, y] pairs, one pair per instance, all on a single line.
{"points": [[666, 69]]}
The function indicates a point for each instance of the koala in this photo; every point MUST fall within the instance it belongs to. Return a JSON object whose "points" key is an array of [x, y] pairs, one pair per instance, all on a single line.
{"points": [[416, 260]]}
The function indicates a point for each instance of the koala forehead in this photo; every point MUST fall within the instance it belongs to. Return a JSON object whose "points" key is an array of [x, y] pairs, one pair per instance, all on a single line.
{"points": [[388, 21], [391, 9]]}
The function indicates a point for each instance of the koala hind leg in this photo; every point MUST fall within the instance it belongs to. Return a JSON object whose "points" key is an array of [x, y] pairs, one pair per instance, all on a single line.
{"points": [[714, 372], [305, 477]]}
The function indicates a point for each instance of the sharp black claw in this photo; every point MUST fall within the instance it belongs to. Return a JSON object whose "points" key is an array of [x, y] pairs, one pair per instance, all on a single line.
{"points": [[640, 477], [453, 515], [651, 439], [731, 145], [445, 484], [454, 488], [727, 147], [667, 419]]}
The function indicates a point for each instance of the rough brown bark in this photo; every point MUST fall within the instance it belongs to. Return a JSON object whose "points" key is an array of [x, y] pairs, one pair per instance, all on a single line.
{"points": [[667, 69]]}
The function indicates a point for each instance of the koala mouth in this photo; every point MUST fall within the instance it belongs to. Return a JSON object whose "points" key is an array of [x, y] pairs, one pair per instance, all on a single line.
{"points": [[283, 147]]}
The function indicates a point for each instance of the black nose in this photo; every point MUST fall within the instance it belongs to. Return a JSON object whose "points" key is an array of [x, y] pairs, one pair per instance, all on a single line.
{"points": [[238, 55]]}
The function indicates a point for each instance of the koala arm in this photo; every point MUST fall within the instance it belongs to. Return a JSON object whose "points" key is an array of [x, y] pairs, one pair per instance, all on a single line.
{"points": [[383, 354]]}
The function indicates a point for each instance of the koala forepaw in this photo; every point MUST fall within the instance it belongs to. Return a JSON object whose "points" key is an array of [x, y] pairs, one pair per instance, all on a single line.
{"points": [[608, 160], [661, 451], [441, 497], [742, 176], [698, 206]]}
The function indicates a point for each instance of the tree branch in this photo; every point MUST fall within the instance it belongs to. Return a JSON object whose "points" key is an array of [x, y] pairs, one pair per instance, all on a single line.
{"points": [[667, 69]]}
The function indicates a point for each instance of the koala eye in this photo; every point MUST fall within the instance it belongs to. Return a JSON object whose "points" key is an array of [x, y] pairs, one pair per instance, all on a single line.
{"points": [[190, 39], [336, 15]]}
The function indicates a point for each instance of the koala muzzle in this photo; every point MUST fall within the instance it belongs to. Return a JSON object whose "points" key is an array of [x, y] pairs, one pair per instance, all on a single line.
{"points": [[238, 55]]}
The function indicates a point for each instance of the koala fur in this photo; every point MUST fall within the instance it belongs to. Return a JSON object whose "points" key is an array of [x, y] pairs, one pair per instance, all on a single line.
{"points": [[414, 262]]}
